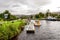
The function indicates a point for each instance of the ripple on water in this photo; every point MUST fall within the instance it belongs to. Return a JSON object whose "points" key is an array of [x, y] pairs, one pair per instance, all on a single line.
{"points": [[49, 30]]}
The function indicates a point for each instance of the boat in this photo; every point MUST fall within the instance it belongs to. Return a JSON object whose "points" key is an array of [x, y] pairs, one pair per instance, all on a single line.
{"points": [[37, 23], [51, 18], [30, 29]]}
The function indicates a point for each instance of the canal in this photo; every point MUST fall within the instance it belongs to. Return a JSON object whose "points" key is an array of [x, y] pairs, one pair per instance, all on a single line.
{"points": [[49, 30]]}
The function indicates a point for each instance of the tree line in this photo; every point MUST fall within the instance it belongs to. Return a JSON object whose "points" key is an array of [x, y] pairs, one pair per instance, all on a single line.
{"points": [[39, 15], [10, 16]]}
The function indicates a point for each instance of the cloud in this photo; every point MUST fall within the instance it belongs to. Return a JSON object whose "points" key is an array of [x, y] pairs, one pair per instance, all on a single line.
{"points": [[22, 6], [53, 6]]}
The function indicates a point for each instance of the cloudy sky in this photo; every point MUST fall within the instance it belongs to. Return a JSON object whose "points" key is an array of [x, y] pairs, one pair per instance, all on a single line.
{"points": [[28, 7]]}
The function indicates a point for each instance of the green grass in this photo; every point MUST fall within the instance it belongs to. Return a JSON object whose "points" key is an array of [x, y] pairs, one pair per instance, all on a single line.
{"points": [[9, 29]]}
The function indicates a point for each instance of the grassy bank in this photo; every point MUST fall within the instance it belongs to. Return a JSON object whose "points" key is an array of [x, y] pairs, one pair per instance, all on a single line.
{"points": [[9, 29]]}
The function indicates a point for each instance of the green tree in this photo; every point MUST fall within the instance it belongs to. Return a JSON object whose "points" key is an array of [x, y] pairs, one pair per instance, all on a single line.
{"points": [[7, 12], [48, 13], [12, 17], [36, 16], [54, 15], [9, 15], [41, 15], [1, 15], [31, 16]]}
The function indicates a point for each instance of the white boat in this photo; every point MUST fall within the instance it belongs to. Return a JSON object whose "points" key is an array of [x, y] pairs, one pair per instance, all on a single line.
{"points": [[51, 18], [30, 29]]}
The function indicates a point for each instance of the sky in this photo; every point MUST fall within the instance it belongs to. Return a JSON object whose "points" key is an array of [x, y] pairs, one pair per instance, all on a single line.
{"points": [[54, 6], [29, 7]]}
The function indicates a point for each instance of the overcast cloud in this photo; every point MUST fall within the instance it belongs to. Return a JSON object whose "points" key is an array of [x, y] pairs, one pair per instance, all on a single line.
{"points": [[22, 7]]}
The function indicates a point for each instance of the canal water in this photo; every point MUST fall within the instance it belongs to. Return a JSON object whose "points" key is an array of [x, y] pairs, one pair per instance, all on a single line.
{"points": [[49, 30]]}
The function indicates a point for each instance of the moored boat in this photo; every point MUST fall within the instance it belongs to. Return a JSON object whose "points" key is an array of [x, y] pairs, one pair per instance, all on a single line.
{"points": [[30, 29], [51, 18], [37, 23]]}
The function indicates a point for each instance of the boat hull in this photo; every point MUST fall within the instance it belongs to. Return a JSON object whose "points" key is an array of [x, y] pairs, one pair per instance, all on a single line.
{"points": [[37, 25], [30, 31], [51, 19]]}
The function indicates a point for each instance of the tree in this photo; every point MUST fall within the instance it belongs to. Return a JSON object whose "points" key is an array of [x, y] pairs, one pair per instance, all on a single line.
{"points": [[36, 16], [12, 17], [58, 16], [41, 15], [48, 13], [1, 15], [7, 12], [31, 16], [9, 15], [54, 15]]}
